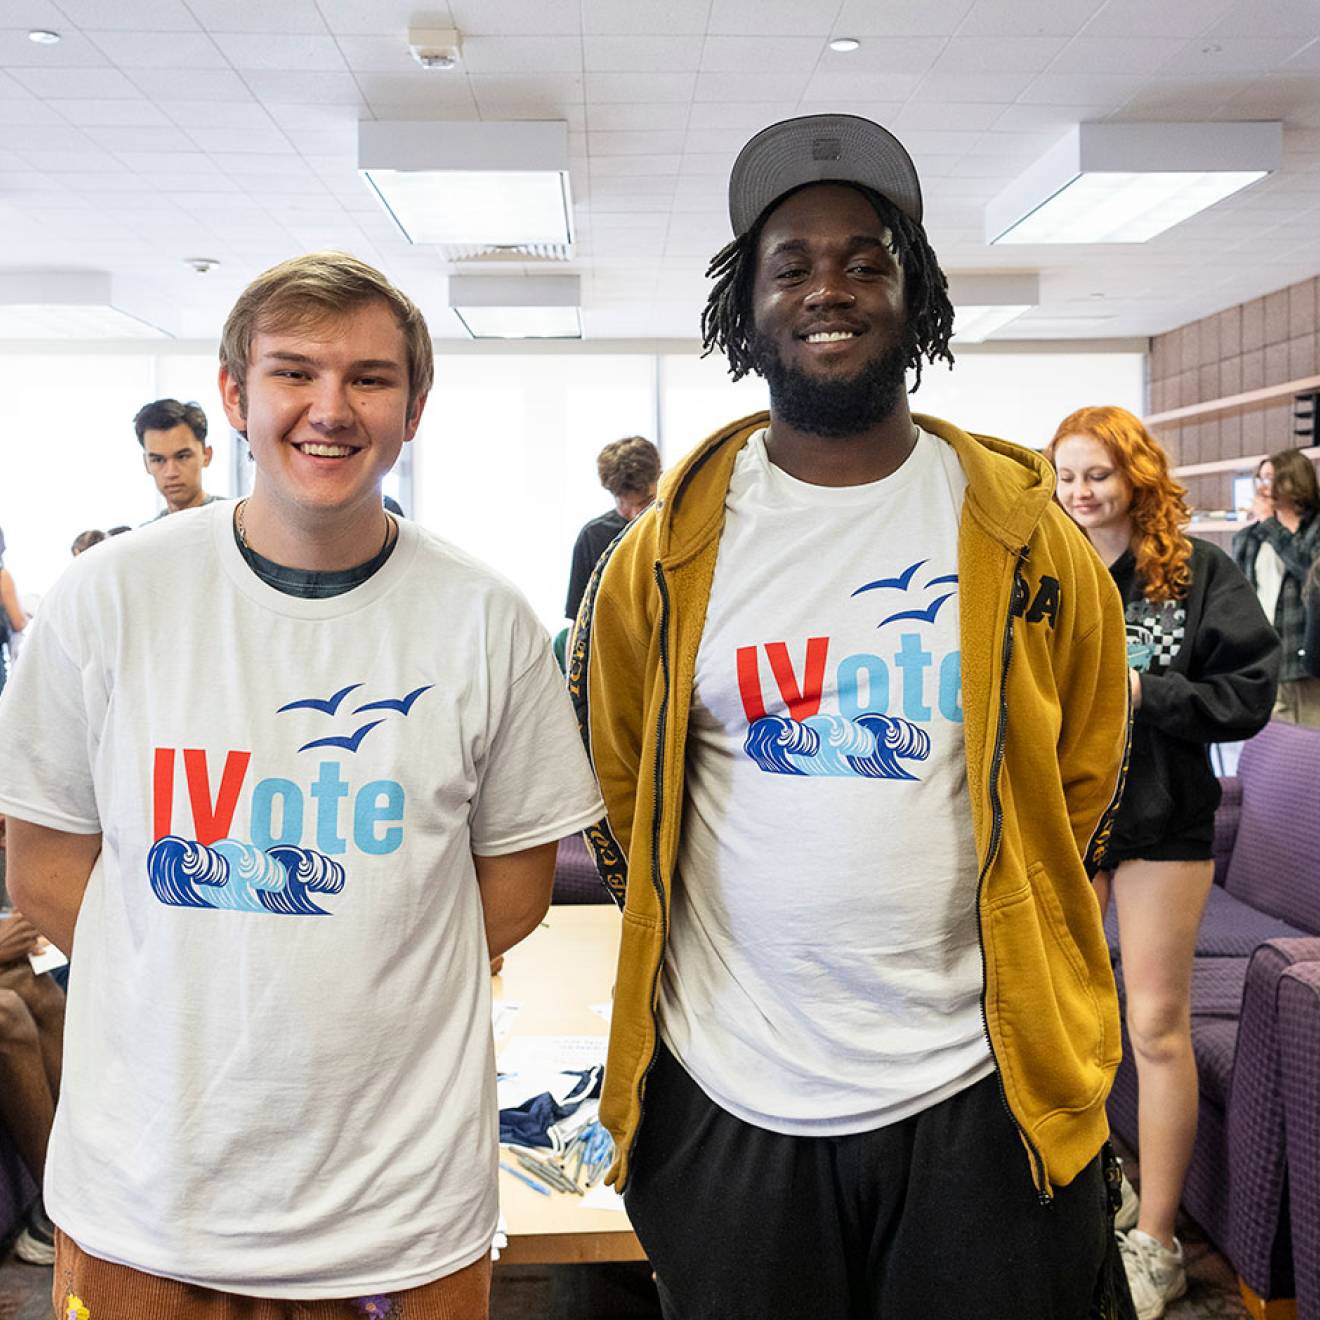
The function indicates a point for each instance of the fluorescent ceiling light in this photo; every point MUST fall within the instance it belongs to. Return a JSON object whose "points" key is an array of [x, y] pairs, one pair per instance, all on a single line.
{"points": [[1125, 183], [499, 185], [983, 304], [517, 307], [62, 304]]}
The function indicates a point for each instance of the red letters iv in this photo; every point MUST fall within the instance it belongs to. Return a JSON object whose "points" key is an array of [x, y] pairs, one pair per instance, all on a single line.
{"points": [[162, 786], [212, 822], [805, 702]]}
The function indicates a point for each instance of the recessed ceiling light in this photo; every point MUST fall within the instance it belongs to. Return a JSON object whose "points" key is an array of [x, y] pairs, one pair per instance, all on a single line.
{"points": [[845, 44], [43, 36]]}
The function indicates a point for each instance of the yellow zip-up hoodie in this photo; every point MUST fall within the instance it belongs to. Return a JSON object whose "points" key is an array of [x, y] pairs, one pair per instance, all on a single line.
{"points": [[1045, 706]]}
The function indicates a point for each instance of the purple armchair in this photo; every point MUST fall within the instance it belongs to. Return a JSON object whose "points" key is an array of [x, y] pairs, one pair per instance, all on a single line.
{"points": [[1261, 926], [1299, 1058]]}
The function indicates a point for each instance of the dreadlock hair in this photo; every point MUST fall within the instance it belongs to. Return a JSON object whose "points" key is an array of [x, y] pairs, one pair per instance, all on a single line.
{"points": [[726, 320]]}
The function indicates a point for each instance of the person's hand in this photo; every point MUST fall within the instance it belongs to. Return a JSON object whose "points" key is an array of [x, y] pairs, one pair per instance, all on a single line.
{"points": [[1262, 507], [1134, 683], [18, 938], [496, 963]]}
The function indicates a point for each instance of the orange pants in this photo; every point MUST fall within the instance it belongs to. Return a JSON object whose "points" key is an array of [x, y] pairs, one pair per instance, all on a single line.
{"points": [[87, 1288]]}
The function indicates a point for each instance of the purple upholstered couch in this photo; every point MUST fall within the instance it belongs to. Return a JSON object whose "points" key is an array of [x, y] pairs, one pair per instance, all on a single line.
{"points": [[1299, 1056], [1262, 923]]}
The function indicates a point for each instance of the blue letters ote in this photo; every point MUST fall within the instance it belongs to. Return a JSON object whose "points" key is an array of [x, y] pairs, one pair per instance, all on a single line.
{"points": [[912, 663], [379, 803]]}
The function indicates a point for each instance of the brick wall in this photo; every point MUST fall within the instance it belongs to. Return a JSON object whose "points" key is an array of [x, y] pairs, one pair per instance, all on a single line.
{"points": [[1264, 342]]}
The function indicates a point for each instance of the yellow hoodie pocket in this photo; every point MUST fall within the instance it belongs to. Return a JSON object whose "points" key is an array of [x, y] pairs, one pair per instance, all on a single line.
{"points": [[1042, 1008]]}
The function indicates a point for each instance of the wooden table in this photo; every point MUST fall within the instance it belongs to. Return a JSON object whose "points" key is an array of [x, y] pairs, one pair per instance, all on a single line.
{"points": [[555, 975]]}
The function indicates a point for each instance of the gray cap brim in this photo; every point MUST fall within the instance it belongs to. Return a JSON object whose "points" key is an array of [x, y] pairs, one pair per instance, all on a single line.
{"points": [[820, 149]]}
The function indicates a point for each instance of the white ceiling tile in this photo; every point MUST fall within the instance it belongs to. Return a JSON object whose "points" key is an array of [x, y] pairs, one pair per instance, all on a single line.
{"points": [[48, 137], [702, 165], [200, 85], [604, 189], [1229, 55], [897, 55], [1180, 98], [217, 114], [77, 84], [161, 50], [546, 94], [772, 54], [377, 54], [901, 18], [415, 88], [247, 16], [1109, 89], [997, 55], [634, 144], [369, 17], [629, 87], [275, 86], [992, 87], [644, 54], [1054, 118], [1279, 18], [940, 116], [645, 116], [144, 15], [1288, 97], [653, 16], [84, 163], [105, 113], [147, 138], [13, 91], [623, 204], [1119, 55], [223, 141], [306, 52], [515, 17], [773, 17], [14, 113], [705, 141], [1308, 58], [750, 87], [73, 51], [885, 87], [522, 54], [1178, 18], [620, 167], [175, 162], [1029, 18], [746, 115]]}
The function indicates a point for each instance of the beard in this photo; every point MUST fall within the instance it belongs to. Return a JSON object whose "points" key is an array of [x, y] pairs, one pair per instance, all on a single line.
{"points": [[832, 406]]}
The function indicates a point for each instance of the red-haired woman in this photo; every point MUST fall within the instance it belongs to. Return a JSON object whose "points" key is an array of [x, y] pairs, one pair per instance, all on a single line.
{"points": [[1204, 665]]}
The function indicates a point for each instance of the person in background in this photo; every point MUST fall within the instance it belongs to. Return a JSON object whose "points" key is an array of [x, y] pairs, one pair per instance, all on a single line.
{"points": [[175, 452], [85, 540], [13, 618], [839, 820], [1311, 604], [629, 469], [31, 1046], [1203, 664], [1276, 553]]}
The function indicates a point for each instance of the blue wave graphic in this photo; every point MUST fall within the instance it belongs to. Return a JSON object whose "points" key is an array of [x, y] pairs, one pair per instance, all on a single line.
{"points": [[893, 739], [175, 865], [871, 746], [239, 877], [770, 740], [308, 873], [840, 741]]}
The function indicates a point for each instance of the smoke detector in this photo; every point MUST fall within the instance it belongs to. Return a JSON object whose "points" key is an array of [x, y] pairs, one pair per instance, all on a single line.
{"points": [[435, 48], [201, 264]]}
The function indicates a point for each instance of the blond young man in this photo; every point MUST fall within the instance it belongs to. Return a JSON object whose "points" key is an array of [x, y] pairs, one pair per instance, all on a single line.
{"points": [[289, 819]]}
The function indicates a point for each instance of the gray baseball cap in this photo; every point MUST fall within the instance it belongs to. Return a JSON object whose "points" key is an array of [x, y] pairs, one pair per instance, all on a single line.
{"points": [[820, 149]]}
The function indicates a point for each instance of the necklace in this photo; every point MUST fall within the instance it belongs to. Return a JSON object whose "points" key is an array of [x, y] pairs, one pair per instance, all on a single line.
{"points": [[242, 530]]}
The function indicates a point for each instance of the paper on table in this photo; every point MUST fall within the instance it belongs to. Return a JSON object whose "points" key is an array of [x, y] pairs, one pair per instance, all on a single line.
{"points": [[47, 960], [551, 1053], [502, 1014], [602, 1198]]}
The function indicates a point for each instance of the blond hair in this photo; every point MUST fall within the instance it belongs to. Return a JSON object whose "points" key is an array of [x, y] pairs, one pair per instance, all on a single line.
{"points": [[319, 287]]}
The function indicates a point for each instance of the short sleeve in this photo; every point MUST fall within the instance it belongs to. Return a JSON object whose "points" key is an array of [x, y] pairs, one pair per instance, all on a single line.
{"points": [[45, 743], [536, 783]]}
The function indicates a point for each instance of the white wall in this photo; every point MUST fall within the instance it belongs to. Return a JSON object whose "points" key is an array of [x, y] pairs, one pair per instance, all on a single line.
{"points": [[504, 462]]}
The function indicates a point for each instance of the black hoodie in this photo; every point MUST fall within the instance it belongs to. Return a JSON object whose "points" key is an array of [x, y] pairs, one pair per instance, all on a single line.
{"points": [[1209, 667]]}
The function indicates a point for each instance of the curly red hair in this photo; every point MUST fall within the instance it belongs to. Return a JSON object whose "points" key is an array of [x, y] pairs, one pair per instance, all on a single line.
{"points": [[1159, 504]]}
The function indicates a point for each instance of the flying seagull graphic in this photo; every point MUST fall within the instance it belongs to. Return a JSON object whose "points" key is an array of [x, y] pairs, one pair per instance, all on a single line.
{"points": [[349, 744], [921, 616], [330, 706], [401, 704], [899, 583]]}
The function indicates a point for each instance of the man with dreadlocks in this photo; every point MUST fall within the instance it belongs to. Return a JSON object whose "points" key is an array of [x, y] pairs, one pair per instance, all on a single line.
{"points": [[856, 692]]}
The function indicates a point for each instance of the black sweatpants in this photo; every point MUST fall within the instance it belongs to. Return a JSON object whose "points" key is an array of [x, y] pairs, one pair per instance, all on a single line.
{"points": [[934, 1217]]}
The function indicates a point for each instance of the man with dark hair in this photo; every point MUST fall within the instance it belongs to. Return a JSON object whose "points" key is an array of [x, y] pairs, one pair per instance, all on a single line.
{"points": [[629, 469], [856, 693], [292, 816], [175, 452]]}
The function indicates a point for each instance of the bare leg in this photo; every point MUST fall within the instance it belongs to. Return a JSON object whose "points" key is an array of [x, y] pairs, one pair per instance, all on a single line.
{"points": [[45, 1001], [1103, 884], [1159, 911], [27, 1107]]}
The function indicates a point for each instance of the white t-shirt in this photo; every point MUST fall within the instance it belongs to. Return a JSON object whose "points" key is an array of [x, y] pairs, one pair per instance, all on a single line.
{"points": [[824, 969], [279, 1073], [1269, 578]]}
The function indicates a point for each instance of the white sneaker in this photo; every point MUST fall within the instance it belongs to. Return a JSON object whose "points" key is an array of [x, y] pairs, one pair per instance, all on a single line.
{"points": [[1155, 1274], [1130, 1208]]}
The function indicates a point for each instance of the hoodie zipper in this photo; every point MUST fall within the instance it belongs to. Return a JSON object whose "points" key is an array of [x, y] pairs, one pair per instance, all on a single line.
{"points": [[996, 831], [662, 721]]}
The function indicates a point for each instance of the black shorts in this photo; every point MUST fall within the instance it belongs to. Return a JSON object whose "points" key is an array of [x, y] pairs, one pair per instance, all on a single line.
{"points": [[1193, 844]]}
